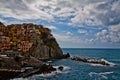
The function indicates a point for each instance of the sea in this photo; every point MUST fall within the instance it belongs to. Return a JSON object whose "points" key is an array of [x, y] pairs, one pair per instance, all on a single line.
{"points": [[74, 70]]}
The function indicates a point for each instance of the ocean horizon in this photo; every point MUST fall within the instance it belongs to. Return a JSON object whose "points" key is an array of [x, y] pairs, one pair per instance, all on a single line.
{"points": [[91, 48]]}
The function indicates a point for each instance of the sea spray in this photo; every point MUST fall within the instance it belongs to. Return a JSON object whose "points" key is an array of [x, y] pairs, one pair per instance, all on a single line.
{"points": [[111, 64], [66, 69]]}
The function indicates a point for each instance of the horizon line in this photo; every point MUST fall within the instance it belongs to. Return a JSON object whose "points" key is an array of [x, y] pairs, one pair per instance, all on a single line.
{"points": [[92, 48]]}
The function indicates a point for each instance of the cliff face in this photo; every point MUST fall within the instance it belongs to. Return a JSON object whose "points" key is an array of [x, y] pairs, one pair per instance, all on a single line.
{"points": [[45, 46], [30, 39], [46, 52]]}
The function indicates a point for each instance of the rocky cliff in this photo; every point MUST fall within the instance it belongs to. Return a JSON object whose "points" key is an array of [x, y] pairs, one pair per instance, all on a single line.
{"points": [[30, 39], [45, 45]]}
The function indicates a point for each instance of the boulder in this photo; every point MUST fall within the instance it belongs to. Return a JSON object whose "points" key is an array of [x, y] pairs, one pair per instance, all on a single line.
{"points": [[60, 68]]}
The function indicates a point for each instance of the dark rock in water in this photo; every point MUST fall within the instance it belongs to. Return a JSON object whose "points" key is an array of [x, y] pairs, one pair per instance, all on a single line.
{"points": [[66, 55], [103, 63], [89, 61], [46, 68], [9, 68], [60, 68]]}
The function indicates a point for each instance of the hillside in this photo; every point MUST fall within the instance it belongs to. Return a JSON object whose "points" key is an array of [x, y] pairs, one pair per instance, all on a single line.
{"points": [[29, 39]]}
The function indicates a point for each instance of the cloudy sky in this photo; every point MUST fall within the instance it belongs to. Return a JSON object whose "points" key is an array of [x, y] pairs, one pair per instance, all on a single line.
{"points": [[74, 23]]}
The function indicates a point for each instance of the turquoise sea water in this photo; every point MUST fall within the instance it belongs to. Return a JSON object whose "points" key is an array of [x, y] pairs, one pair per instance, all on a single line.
{"points": [[84, 71]]}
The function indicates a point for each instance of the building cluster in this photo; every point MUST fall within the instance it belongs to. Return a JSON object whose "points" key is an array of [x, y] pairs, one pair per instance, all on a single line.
{"points": [[17, 37], [21, 37]]}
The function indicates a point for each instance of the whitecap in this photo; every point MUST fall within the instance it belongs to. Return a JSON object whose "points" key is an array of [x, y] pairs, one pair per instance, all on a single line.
{"points": [[111, 64], [19, 79], [48, 74], [65, 70], [101, 74], [96, 64], [106, 73]]}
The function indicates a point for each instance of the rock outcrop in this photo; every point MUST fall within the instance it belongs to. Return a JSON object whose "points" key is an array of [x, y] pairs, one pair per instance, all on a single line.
{"points": [[22, 67], [93, 61], [31, 39], [23, 46], [45, 47]]}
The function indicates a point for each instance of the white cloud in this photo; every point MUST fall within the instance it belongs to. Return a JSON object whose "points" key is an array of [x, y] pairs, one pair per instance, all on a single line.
{"points": [[90, 12], [103, 35], [115, 28], [86, 15], [22, 9], [116, 7], [114, 33], [114, 37], [111, 35], [103, 32], [90, 41], [37, 9], [65, 12], [82, 31], [51, 27], [67, 38], [69, 33], [1, 20], [97, 13], [73, 39]]}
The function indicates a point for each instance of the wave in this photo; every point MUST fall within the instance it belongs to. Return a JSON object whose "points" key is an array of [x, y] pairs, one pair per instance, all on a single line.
{"points": [[66, 69], [106, 73], [48, 74], [111, 64], [101, 74], [96, 64]]}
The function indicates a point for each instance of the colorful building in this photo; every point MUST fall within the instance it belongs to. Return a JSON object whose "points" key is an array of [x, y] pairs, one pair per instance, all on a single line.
{"points": [[24, 46]]}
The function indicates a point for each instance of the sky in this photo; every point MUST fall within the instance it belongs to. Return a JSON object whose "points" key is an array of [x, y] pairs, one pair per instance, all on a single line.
{"points": [[74, 23]]}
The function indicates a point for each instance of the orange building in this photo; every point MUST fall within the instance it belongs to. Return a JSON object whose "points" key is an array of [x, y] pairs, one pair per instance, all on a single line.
{"points": [[24, 46], [4, 43]]}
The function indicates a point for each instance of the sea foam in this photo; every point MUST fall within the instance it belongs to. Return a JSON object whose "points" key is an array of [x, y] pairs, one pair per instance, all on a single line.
{"points": [[101, 74], [111, 64], [66, 69]]}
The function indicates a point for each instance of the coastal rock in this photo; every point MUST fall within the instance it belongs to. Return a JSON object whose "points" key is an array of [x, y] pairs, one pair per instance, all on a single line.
{"points": [[89, 61], [28, 66], [45, 48], [46, 69], [66, 55], [60, 68]]}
